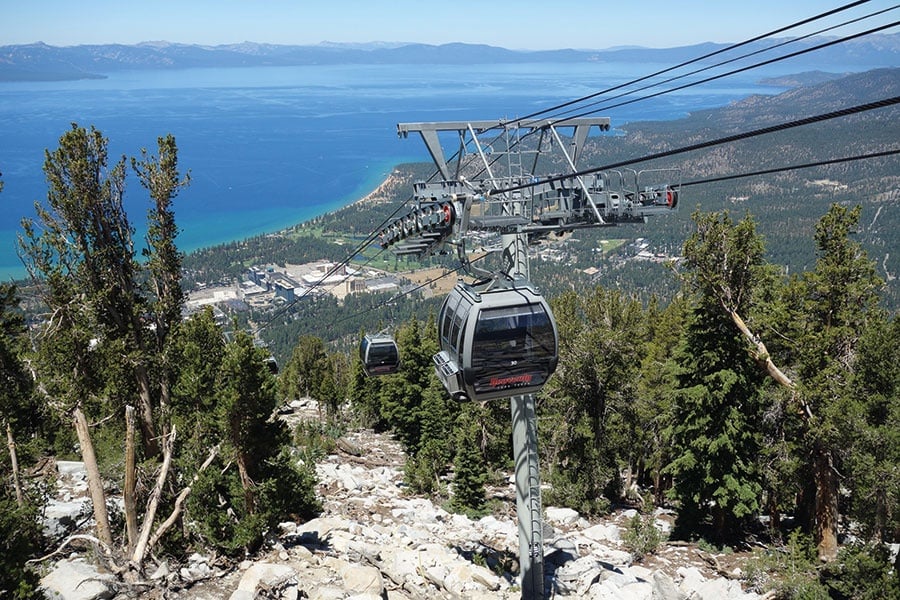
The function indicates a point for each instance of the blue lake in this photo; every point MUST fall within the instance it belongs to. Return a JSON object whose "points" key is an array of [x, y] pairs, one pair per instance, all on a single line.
{"points": [[271, 147]]}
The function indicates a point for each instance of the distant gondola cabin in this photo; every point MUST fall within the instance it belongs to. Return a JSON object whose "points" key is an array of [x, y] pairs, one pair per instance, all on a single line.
{"points": [[495, 343], [379, 354]]}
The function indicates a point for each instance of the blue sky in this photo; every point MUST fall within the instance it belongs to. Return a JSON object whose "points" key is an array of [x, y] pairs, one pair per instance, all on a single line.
{"points": [[515, 24]]}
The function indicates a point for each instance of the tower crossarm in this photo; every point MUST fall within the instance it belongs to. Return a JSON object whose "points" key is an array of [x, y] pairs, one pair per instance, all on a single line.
{"points": [[487, 186]]}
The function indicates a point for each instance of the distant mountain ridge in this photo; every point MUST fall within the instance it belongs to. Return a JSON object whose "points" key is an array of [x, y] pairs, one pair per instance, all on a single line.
{"points": [[42, 62]]}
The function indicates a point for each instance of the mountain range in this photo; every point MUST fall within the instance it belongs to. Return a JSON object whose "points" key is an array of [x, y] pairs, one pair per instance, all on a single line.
{"points": [[42, 62]]}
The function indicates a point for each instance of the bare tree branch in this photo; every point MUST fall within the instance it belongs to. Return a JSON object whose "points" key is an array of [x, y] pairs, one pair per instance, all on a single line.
{"points": [[140, 549], [179, 502]]}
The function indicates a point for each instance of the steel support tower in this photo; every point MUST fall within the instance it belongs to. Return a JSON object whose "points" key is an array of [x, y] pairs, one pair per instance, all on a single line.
{"points": [[518, 179]]}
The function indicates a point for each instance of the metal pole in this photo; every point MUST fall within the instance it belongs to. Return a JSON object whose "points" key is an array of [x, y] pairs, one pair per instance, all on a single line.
{"points": [[525, 453], [528, 496]]}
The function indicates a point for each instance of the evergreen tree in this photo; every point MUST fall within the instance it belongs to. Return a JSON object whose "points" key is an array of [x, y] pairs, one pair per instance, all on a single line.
{"points": [[717, 427], [97, 353], [255, 479], [873, 464], [307, 370], [588, 406], [655, 405], [364, 393], [20, 539], [18, 407], [160, 177], [715, 431], [84, 253], [837, 301], [401, 394], [20, 416], [198, 350], [424, 469], [469, 472]]}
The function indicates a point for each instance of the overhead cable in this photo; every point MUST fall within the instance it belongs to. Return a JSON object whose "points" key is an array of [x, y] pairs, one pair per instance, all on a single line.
{"points": [[724, 62], [819, 163], [716, 142], [740, 70], [698, 59]]}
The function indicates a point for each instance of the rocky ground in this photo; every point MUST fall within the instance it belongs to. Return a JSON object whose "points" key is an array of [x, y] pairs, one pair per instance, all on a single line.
{"points": [[374, 540]]}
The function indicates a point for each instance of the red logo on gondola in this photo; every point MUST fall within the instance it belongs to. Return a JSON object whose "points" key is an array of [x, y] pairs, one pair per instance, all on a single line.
{"points": [[512, 380], [448, 214]]}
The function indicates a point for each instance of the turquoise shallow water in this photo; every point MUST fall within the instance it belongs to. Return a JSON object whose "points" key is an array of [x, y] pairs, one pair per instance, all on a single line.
{"points": [[271, 147]]}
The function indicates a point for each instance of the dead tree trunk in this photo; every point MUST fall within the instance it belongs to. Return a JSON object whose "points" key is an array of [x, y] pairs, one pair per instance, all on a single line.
{"points": [[95, 483], [131, 526], [140, 550], [14, 459]]}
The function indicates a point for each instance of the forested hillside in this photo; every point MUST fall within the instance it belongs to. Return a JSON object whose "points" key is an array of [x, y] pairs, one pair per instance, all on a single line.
{"points": [[785, 205]]}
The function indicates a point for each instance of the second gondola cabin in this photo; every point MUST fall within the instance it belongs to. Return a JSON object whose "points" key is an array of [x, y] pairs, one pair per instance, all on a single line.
{"points": [[497, 341], [379, 354]]}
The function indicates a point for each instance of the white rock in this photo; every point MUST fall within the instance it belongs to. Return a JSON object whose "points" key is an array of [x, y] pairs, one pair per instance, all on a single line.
{"points": [[161, 572], [602, 533], [562, 516], [691, 579], [322, 527], [640, 590], [327, 592], [664, 588], [363, 580], [71, 468], [615, 557], [716, 589], [640, 572], [60, 516], [77, 580], [287, 528], [466, 577]]}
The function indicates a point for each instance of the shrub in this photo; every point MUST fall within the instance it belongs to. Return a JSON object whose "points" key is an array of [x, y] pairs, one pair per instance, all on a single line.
{"points": [[790, 572], [20, 536], [862, 572], [642, 537]]}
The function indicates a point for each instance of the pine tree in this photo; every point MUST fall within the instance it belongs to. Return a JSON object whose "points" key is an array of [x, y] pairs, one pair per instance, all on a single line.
{"points": [[20, 417], [160, 177], [198, 349], [307, 370], [97, 354], [655, 404], [255, 479], [837, 300], [716, 430], [588, 406], [424, 469], [872, 466], [401, 395], [469, 472]]}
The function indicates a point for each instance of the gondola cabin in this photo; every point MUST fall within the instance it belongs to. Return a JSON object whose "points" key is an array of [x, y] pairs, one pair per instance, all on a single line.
{"points": [[495, 343], [379, 354]]}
